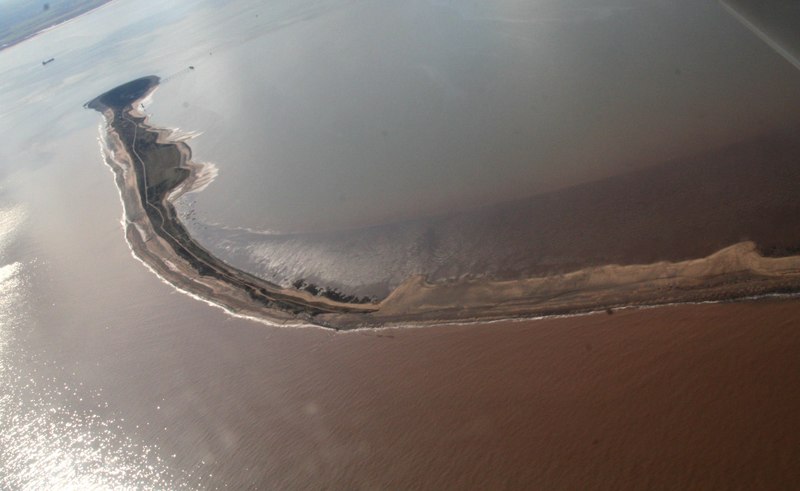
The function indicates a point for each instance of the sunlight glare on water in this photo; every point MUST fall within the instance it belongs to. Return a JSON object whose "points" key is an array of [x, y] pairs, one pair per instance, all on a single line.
{"points": [[48, 441]]}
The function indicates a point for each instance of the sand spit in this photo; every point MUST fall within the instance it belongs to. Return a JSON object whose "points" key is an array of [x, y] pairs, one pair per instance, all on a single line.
{"points": [[735, 272], [152, 170]]}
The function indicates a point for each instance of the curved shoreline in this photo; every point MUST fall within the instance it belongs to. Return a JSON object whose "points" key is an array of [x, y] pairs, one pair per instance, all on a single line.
{"points": [[151, 170]]}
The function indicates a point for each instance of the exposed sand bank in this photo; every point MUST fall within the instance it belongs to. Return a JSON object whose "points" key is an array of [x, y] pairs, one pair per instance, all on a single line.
{"points": [[152, 170], [735, 271]]}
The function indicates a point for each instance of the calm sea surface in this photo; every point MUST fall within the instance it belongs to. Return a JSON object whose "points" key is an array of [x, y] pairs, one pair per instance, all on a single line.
{"points": [[323, 116], [330, 115]]}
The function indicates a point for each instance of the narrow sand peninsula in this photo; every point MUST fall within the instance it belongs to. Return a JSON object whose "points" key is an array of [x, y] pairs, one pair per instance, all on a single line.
{"points": [[152, 170]]}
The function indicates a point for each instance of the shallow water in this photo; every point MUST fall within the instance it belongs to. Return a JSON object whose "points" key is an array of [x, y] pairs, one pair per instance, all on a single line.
{"points": [[364, 113], [111, 379], [341, 116]]}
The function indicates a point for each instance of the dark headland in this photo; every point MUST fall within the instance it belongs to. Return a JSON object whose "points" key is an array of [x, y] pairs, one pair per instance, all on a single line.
{"points": [[152, 170]]}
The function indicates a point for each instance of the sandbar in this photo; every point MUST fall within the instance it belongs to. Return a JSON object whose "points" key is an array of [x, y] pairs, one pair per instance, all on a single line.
{"points": [[153, 169]]}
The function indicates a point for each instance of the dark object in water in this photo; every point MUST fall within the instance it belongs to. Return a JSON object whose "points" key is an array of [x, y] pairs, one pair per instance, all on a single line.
{"points": [[191, 67], [45, 62]]}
